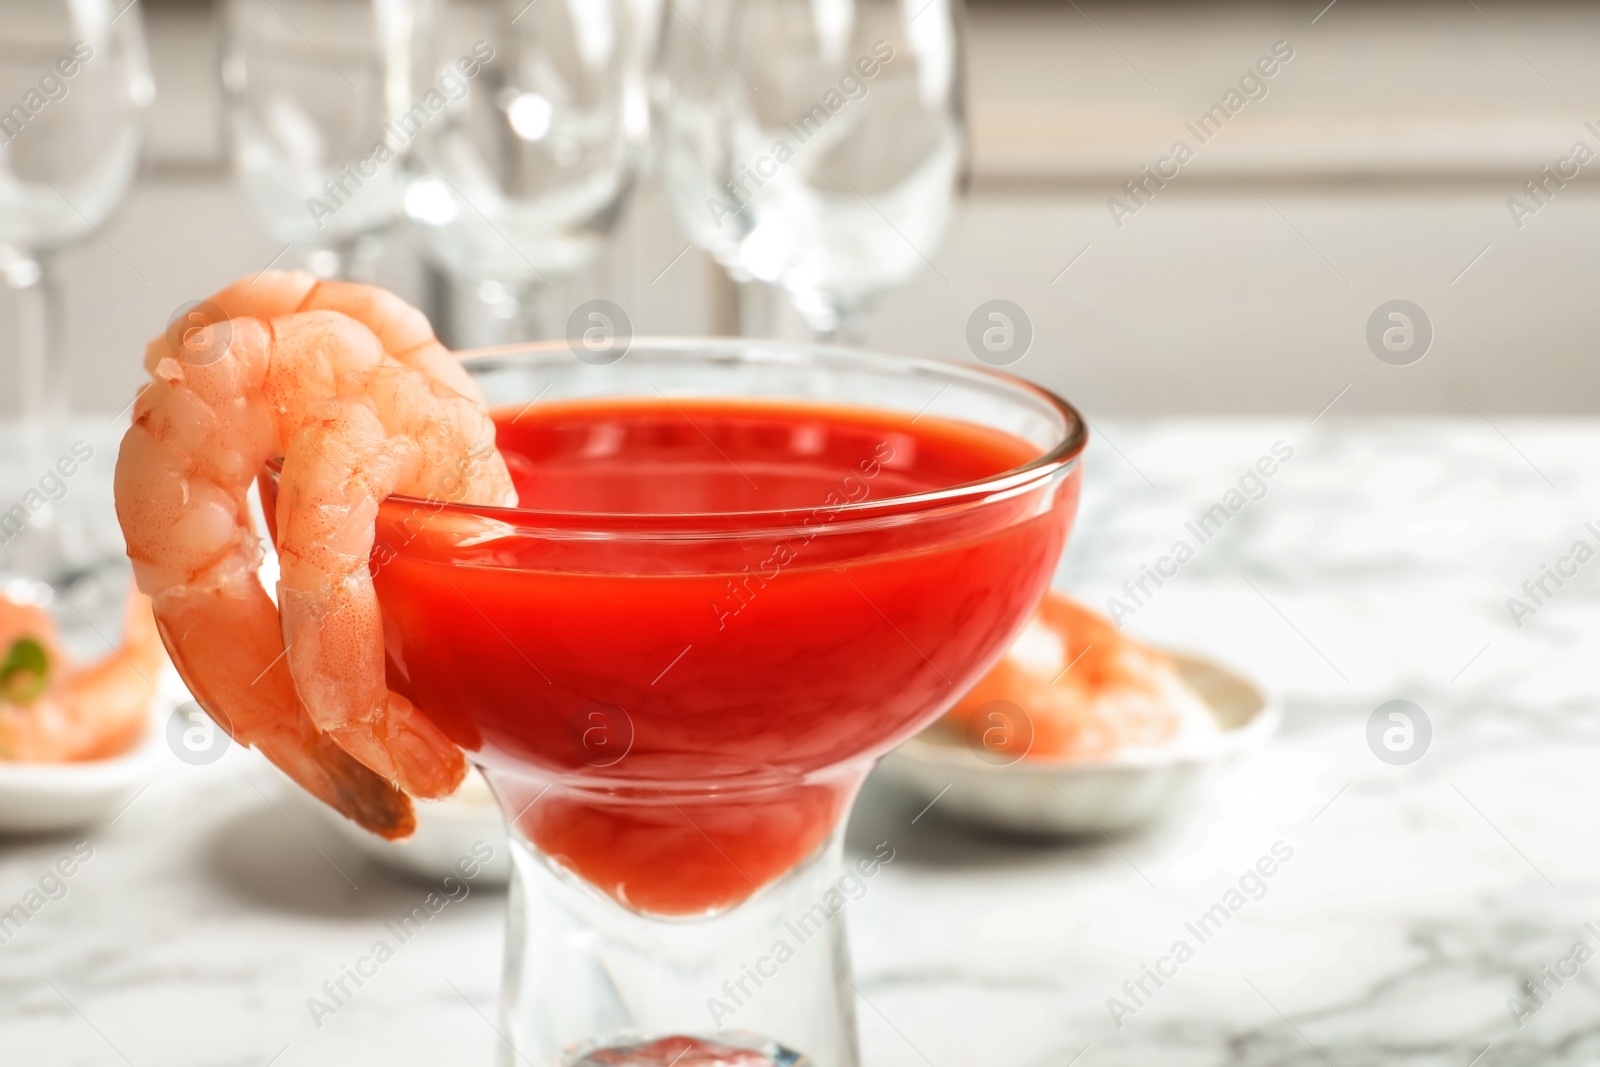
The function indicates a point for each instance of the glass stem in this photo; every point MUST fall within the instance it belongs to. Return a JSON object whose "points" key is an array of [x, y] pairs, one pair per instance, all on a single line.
{"points": [[339, 260], [42, 378], [846, 325], [438, 303], [757, 312], [53, 538], [585, 974], [481, 314], [533, 320]]}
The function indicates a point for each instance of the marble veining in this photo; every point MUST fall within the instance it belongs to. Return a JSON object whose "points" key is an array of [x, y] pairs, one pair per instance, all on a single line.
{"points": [[1419, 899]]}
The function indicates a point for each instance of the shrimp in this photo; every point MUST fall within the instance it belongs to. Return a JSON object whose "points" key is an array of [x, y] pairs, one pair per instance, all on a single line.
{"points": [[403, 434], [401, 329], [87, 713], [237, 395], [1085, 690]]}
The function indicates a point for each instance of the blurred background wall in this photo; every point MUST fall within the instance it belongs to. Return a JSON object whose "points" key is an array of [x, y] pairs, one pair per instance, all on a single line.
{"points": [[1378, 165]]}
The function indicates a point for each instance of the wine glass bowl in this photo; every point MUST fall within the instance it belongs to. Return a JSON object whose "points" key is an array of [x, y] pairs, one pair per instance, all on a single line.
{"points": [[320, 104], [518, 186], [74, 84], [813, 146]]}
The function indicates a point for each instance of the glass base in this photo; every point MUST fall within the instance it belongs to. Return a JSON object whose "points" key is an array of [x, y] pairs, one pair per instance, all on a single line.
{"points": [[590, 982], [681, 1051]]}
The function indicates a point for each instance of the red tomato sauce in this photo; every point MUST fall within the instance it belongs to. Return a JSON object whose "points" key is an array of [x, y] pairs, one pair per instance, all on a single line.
{"points": [[694, 712]]}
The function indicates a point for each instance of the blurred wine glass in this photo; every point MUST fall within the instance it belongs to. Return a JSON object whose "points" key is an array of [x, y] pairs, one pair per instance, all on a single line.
{"points": [[815, 145], [74, 83], [323, 99], [518, 183]]}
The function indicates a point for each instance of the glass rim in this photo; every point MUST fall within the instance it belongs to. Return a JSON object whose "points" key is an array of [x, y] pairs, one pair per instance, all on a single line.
{"points": [[1054, 462]]}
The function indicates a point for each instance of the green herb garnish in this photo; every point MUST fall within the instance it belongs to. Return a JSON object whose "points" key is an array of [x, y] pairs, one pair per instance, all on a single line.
{"points": [[25, 673]]}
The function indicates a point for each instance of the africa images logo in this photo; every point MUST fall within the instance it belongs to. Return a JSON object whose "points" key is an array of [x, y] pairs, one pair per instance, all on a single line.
{"points": [[1253, 485], [1139, 191], [1250, 886]]}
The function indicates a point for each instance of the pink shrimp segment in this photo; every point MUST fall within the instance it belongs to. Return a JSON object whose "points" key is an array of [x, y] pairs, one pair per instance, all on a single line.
{"points": [[349, 388], [401, 329], [404, 435]]}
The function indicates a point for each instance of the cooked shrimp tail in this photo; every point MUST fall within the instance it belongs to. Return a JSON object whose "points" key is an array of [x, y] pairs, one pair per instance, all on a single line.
{"points": [[226, 645]]}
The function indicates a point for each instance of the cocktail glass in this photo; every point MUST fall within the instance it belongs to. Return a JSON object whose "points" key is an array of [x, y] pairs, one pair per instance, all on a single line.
{"points": [[676, 710]]}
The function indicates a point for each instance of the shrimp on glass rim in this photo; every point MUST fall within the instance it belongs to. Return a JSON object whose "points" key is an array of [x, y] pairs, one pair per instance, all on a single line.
{"points": [[348, 387]]}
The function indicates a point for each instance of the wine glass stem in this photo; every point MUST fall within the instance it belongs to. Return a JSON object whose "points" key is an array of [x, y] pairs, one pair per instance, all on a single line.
{"points": [[337, 260], [757, 315], [534, 319], [486, 313], [42, 379], [849, 328], [52, 537]]}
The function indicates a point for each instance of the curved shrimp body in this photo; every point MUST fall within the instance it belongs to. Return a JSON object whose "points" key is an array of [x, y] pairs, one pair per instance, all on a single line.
{"points": [[307, 689], [401, 434], [401, 329]]}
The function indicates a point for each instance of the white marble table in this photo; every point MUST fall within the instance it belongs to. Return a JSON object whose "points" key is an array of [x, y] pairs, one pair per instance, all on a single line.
{"points": [[1417, 900]]}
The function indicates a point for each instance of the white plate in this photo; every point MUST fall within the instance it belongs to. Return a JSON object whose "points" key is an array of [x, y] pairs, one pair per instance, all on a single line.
{"points": [[1130, 790], [38, 798]]}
